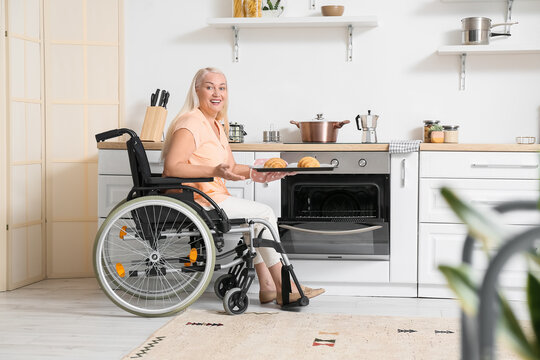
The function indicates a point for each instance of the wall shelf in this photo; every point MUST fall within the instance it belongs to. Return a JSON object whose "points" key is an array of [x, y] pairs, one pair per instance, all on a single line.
{"points": [[487, 49], [464, 50], [349, 22]]}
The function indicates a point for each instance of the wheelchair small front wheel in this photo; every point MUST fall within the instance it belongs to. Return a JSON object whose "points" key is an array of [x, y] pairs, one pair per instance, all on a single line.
{"points": [[223, 284], [234, 303]]}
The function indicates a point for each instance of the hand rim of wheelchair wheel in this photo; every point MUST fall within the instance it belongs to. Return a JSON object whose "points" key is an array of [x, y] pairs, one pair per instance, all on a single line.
{"points": [[223, 284], [232, 303], [111, 282]]}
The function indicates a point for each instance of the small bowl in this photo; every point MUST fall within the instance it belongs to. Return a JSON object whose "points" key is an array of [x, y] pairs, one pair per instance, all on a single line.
{"points": [[332, 10], [525, 139]]}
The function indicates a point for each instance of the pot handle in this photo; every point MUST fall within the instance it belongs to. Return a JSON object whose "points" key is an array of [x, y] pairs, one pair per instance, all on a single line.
{"points": [[295, 123], [508, 23], [340, 124], [499, 34]]}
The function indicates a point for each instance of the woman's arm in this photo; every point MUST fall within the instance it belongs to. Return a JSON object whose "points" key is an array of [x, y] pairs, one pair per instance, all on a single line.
{"points": [[176, 162]]}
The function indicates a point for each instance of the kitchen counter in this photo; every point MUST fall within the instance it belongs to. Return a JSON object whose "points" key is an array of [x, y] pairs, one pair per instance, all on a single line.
{"points": [[344, 147]]}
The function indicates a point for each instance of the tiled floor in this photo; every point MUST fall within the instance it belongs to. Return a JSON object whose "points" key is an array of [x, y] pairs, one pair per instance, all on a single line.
{"points": [[73, 319]]}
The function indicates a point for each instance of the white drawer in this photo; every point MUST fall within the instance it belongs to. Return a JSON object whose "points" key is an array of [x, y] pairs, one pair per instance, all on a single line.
{"points": [[479, 165], [116, 162], [111, 190], [482, 193], [441, 244]]}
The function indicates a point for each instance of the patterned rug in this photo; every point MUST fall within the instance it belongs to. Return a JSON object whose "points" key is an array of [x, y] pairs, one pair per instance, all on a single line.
{"points": [[201, 334]]}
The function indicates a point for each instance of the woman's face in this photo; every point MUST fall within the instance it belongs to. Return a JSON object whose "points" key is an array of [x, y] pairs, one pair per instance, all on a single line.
{"points": [[212, 93]]}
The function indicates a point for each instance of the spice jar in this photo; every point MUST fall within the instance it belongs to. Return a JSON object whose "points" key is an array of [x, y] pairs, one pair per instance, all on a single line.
{"points": [[451, 133], [427, 126]]}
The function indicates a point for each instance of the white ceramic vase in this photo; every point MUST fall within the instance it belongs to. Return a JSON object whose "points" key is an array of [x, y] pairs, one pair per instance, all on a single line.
{"points": [[272, 13]]}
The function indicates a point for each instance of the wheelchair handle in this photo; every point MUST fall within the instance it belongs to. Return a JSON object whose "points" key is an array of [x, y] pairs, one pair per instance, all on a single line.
{"points": [[114, 133]]}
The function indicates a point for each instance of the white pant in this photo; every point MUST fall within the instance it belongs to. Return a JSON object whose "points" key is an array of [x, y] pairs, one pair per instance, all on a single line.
{"points": [[237, 208]]}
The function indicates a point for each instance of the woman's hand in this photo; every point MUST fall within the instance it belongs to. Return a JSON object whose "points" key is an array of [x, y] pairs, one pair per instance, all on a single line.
{"points": [[265, 177], [222, 171]]}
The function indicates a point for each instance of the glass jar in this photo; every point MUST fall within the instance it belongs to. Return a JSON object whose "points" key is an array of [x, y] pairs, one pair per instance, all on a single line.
{"points": [[451, 133], [427, 126]]}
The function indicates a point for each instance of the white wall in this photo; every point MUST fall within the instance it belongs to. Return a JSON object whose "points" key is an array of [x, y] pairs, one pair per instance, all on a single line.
{"points": [[294, 73]]}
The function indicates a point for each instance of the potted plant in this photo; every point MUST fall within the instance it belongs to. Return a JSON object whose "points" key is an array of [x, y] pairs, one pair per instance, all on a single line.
{"points": [[486, 227], [273, 8], [436, 133]]}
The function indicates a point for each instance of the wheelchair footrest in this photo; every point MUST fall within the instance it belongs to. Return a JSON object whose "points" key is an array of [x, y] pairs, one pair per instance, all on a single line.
{"points": [[286, 273]]}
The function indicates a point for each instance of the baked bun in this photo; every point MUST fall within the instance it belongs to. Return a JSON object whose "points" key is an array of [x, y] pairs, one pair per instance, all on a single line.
{"points": [[308, 161], [275, 163]]}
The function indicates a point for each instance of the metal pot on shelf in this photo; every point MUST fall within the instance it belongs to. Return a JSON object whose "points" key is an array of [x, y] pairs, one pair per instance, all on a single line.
{"points": [[477, 30], [319, 130]]}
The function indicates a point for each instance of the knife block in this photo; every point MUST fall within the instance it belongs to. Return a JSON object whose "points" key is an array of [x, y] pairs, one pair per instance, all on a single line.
{"points": [[154, 123]]}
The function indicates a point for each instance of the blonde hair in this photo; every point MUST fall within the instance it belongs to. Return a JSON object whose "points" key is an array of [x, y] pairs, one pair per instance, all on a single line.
{"points": [[191, 103]]}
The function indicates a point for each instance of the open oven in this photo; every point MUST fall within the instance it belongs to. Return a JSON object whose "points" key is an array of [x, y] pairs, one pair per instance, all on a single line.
{"points": [[342, 214]]}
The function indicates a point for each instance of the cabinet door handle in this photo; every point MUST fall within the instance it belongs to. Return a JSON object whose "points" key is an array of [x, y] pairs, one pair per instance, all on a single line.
{"points": [[504, 166], [403, 167], [488, 202]]}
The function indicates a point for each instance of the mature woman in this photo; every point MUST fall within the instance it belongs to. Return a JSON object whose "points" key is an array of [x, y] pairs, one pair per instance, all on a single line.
{"points": [[197, 145]]}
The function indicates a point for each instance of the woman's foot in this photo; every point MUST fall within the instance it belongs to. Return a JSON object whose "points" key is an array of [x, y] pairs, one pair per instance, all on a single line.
{"points": [[266, 296], [308, 292]]}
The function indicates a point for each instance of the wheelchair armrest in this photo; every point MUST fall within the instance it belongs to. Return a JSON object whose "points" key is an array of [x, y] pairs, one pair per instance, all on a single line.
{"points": [[158, 180]]}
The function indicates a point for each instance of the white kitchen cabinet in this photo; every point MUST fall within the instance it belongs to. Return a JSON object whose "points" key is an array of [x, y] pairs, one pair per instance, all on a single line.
{"points": [[485, 179], [243, 189], [442, 244], [269, 193], [404, 218]]}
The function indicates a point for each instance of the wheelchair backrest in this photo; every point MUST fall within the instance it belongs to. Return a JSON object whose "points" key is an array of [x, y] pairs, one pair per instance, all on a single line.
{"points": [[138, 161]]}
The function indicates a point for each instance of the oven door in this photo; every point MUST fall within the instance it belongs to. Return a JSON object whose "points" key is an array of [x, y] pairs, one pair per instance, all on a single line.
{"points": [[327, 216]]}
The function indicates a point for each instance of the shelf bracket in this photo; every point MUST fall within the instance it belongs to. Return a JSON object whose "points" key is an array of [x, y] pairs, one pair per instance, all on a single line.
{"points": [[350, 43], [509, 4], [462, 73], [235, 39]]}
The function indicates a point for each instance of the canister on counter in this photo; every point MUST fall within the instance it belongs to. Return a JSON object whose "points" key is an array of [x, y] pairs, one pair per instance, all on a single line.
{"points": [[427, 126], [451, 133]]}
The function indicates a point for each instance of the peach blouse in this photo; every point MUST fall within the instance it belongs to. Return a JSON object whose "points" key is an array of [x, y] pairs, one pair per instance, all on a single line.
{"points": [[209, 151]]}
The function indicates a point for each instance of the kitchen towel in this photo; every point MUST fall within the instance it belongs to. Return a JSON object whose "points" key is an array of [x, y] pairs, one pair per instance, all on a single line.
{"points": [[403, 146]]}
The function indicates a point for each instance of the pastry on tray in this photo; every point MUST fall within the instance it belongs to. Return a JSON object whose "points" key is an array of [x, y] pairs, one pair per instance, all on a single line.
{"points": [[275, 163], [308, 161]]}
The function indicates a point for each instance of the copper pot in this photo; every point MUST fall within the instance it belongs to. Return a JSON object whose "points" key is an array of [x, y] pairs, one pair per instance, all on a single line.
{"points": [[319, 130]]}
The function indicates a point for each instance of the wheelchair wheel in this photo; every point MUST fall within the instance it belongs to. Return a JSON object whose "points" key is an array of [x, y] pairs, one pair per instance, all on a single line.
{"points": [[234, 303], [223, 284], [154, 256]]}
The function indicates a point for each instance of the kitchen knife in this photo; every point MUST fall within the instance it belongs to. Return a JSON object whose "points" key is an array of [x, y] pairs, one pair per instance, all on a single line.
{"points": [[166, 100], [163, 94], [156, 97]]}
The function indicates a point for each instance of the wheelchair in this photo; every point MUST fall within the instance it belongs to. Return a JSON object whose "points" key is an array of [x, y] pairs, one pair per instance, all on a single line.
{"points": [[156, 252]]}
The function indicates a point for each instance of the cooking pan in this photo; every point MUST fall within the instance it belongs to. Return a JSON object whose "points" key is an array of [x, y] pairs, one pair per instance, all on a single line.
{"points": [[477, 30], [319, 130]]}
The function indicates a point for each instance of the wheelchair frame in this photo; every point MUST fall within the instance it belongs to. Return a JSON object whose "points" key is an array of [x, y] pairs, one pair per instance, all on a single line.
{"points": [[155, 253]]}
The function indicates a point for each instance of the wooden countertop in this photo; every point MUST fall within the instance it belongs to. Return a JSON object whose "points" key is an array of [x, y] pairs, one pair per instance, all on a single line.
{"points": [[344, 147]]}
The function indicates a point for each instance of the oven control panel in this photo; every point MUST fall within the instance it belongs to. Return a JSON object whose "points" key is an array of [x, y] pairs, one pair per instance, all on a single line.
{"points": [[353, 162]]}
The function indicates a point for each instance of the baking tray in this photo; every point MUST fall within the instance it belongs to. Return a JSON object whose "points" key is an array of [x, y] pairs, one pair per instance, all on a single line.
{"points": [[294, 168]]}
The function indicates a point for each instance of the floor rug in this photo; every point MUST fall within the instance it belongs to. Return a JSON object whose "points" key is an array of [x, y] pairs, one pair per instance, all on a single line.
{"points": [[202, 334]]}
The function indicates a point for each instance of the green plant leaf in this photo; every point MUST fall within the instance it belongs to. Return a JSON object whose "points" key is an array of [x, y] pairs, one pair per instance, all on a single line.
{"points": [[265, 8], [276, 6], [460, 281], [533, 300], [512, 332], [483, 226], [270, 4]]}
